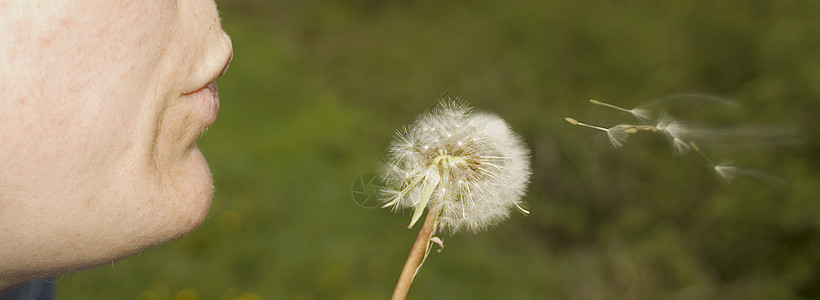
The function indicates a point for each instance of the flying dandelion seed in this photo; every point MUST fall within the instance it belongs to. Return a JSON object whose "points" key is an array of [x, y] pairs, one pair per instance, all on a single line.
{"points": [[617, 134], [680, 135], [726, 171]]}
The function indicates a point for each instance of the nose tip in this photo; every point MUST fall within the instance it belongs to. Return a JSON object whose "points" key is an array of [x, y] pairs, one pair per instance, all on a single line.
{"points": [[229, 45]]}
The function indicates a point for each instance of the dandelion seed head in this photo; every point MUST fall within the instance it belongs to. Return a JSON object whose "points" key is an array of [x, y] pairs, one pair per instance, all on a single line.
{"points": [[640, 113], [483, 166], [681, 146], [670, 126], [676, 131], [726, 171], [618, 135]]}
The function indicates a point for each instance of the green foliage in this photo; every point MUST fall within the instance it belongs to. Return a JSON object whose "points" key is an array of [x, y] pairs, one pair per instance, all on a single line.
{"points": [[316, 90]]}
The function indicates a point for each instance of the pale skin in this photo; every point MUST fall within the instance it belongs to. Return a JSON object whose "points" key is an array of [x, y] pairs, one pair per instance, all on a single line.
{"points": [[101, 103]]}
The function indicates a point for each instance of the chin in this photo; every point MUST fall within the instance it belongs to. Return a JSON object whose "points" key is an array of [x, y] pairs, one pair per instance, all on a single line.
{"points": [[174, 204], [188, 196], [152, 206]]}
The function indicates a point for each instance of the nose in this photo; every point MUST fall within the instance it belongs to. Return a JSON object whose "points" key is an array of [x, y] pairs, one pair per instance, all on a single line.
{"points": [[229, 46]]}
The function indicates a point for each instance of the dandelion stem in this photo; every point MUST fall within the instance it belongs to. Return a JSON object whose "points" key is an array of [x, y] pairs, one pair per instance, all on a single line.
{"points": [[417, 254]]}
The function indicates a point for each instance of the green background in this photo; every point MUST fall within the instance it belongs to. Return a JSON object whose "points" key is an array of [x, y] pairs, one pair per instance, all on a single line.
{"points": [[317, 88]]}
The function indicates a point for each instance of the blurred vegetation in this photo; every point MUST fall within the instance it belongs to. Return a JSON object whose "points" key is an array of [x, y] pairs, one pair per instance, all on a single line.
{"points": [[317, 88]]}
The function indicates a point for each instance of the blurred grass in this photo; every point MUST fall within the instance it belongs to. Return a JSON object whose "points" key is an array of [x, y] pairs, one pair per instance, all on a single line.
{"points": [[317, 88]]}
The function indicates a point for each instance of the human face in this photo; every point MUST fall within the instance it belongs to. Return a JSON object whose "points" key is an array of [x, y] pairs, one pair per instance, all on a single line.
{"points": [[101, 103]]}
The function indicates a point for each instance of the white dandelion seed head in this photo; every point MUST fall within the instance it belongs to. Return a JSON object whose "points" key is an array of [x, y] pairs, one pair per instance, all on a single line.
{"points": [[674, 128], [641, 113], [618, 135], [482, 167], [681, 146], [676, 131], [726, 170]]}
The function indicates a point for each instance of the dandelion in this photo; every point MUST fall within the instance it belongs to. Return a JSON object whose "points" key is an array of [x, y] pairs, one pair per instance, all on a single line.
{"points": [[467, 169], [471, 165]]}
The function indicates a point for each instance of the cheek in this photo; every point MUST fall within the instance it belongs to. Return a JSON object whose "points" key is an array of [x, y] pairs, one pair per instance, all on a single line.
{"points": [[91, 179]]}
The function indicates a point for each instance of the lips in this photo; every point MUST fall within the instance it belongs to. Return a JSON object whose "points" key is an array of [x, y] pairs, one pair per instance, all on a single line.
{"points": [[206, 100]]}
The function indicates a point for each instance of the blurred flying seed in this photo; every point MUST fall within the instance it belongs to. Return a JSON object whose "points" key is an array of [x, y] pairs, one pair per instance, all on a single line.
{"points": [[680, 135]]}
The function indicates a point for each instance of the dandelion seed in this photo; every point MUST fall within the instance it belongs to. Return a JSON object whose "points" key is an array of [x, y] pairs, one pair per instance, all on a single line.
{"points": [[726, 171], [572, 121], [617, 134], [680, 135]]}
